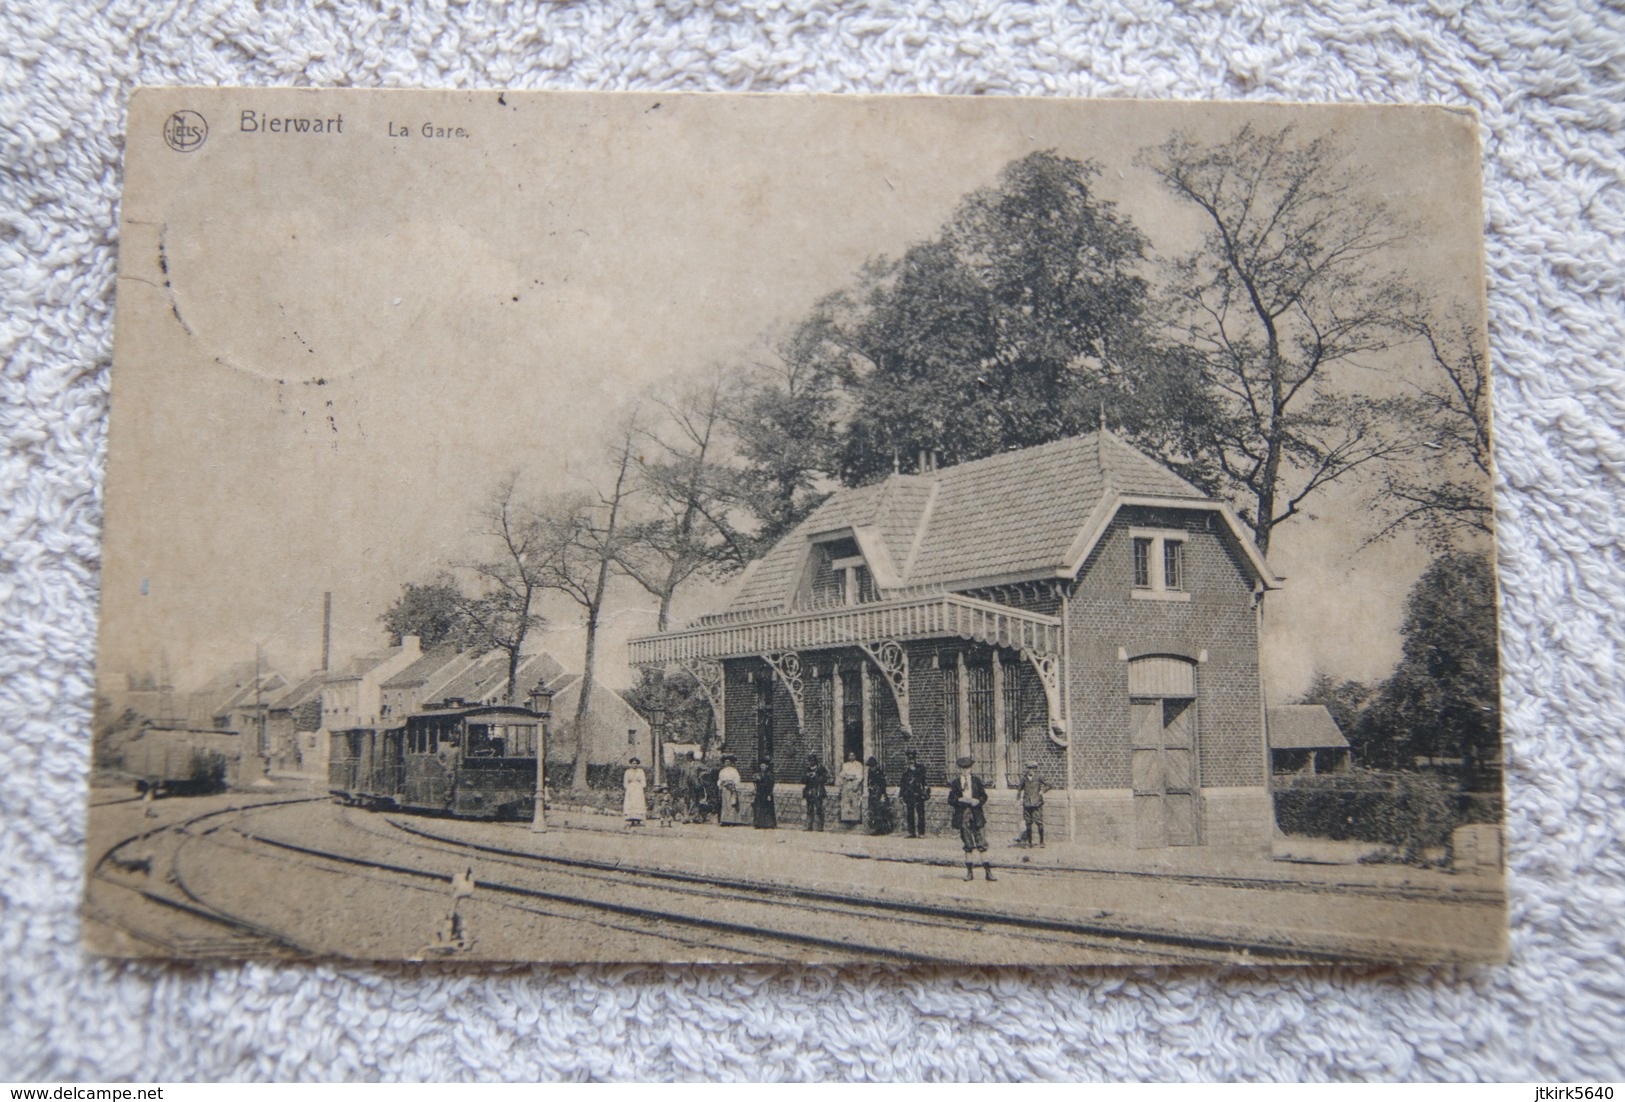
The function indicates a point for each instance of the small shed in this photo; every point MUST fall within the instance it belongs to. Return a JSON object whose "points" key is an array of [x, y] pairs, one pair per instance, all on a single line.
{"points": [[1304, 738]]}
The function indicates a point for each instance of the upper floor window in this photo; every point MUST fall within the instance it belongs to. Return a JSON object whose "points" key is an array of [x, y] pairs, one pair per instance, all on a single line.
{"points": [[838, 575], [1159, 564]]}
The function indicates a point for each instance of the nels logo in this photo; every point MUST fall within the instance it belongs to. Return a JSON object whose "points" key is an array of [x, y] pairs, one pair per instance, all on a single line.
{"points": [[185, 131]]}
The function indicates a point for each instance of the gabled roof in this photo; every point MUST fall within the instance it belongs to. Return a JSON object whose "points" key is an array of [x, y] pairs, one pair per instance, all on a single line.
{"points": [[1304, 727], [605, 701], [1023, 515], [360, 666], [432, 662], [271, 686], [487, 679], [302, 693]]}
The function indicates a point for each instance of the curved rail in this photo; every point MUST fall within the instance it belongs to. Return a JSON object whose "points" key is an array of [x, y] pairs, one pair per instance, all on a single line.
{"points": [[244, 938]]}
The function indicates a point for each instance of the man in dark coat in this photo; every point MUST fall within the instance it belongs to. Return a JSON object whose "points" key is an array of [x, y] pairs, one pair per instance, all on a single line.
{"points": [[814, 785], [881, 817], [967, 796], [913, 791], [767, 815]]}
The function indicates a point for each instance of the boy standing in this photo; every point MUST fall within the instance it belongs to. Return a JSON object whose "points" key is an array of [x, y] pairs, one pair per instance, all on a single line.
{"points": [[1032, 806], [968, 797]]}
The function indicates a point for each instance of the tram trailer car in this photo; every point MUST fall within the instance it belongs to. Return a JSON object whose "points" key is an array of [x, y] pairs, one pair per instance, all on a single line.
{"points": [[475, 763], [364, 766], [177, 762]]}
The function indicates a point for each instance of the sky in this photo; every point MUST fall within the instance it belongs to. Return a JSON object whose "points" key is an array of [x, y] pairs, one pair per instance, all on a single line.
{"points": [[331, 347]]}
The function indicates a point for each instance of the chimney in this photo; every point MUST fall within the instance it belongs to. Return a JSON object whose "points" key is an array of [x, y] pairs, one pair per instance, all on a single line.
{"points": [[327, 628]]}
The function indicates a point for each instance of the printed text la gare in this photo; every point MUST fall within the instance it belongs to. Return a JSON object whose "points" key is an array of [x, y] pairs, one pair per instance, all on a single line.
{"points": [[427, 130]]}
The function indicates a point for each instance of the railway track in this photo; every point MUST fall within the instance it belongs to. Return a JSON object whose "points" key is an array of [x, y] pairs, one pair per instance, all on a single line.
{"points": [[137, 888], [728, 940], [541, 901], [732, 920], [1048, 935]]}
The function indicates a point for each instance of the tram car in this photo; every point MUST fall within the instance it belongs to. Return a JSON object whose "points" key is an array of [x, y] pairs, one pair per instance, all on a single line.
{"points": [[173, 761], [471, 762]]}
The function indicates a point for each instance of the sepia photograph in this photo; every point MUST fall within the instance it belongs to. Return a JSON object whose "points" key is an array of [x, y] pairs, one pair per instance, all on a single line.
{"points": [[624, 527]]}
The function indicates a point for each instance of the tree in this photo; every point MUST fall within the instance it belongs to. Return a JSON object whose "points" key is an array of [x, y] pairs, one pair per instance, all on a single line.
{"points": [[583, 541], [1343, 699], [783, 417], [687, 528], [502, 612], [1018, 323], [434, 611], [1443, 699], [1443, 495], [1285, 295], [1001, 332], [682, 705]]}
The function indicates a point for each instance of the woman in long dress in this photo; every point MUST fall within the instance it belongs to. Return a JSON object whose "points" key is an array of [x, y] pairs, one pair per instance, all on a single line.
{"points": [[731, 813], [767, 813], [634, 805], [851, 789]]}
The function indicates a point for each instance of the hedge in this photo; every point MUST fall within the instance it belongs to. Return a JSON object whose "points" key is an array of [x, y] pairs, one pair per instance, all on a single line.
{"points": [[1411, 812]]}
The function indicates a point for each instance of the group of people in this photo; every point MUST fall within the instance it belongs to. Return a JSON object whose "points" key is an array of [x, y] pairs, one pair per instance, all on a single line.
{"points": [[695, 793], [862, 796]]}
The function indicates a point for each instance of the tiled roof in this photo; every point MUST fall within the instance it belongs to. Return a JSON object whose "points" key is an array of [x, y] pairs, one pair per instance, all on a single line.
{"points": [[487, 679], [361, 666], [606, 702], [1011, 514], [302, 693], [433, 660], [1304, 727], [271, 686]]}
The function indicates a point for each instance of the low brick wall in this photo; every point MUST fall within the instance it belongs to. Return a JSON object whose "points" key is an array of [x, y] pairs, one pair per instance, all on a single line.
{"points": [[1239, 818], [1233, 818]]}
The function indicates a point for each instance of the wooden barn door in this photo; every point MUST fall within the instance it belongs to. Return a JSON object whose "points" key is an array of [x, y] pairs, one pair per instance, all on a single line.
{"points": [[1162, 719]]}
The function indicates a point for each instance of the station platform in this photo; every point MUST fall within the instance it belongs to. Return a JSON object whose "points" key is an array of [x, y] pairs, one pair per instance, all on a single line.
{"points": [[1372, 912]]}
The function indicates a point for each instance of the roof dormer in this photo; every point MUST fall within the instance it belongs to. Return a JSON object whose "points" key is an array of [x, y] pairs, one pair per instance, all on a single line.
{"points": [[836, 573]]}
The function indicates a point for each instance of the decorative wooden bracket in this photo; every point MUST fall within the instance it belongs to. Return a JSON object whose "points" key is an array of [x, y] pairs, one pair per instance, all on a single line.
{"points": [[889, 657], [787, 664], [711, 677], [1049, 672]]}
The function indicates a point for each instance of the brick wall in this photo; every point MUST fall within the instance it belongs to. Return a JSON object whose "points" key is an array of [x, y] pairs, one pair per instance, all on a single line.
{"points": [[1218, 619]]}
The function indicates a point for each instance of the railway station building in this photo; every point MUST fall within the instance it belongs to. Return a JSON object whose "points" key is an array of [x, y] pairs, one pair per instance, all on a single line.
{"points": [[1075, 606]]}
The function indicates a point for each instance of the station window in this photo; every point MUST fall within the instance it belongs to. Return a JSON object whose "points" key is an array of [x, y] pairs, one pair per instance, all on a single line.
{"points": [[1159, 564]]}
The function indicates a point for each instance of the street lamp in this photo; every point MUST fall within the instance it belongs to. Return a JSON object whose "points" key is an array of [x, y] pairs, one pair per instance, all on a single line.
{"points": [[540, 701], [657, 741]]}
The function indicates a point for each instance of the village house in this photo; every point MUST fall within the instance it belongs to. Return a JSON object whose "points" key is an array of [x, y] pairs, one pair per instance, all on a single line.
{"points": [[352, 696], [615, 732], [293, 723], [424, 682], [233, 700], [1076, 606]]}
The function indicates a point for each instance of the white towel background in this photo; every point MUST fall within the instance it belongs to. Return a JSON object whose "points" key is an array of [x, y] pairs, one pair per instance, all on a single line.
{"points": [[1549, 80]]}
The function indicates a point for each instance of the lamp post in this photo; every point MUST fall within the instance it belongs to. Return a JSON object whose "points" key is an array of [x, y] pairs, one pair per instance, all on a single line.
{"points": [[541, 702], [657, 741]]}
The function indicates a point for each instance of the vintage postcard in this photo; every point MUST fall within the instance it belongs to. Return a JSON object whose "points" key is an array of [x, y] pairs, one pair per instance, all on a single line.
{"points": [[975, 530]]}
